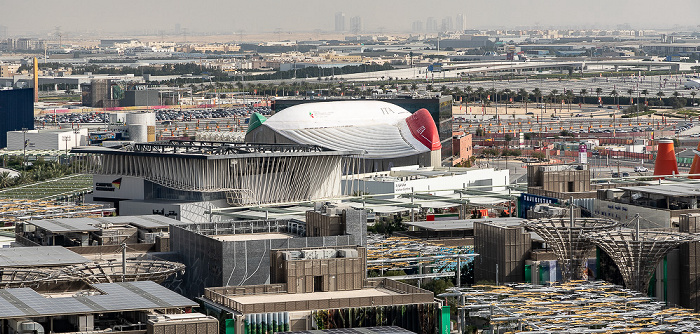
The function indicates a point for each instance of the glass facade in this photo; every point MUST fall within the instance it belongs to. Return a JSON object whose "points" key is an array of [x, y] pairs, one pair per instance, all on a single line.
{"points": [[16, 111]]}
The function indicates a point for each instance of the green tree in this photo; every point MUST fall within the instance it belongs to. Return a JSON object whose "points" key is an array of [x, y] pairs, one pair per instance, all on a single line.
{"points": [[583, 94], [523, 96], [630, 92], [6, 180], [614, 95], [438, 285]]}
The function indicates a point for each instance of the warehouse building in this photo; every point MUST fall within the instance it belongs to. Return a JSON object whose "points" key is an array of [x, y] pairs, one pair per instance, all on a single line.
{"points": [[238, 253], [323, 287]]}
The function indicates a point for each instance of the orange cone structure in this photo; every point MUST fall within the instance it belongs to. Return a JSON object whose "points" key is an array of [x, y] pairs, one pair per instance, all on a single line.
{"points": [[695, 167], [665, 158]]}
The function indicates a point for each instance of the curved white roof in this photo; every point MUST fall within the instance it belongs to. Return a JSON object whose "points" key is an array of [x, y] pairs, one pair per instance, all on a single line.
{"points": [[376, 127], [337, 113]]}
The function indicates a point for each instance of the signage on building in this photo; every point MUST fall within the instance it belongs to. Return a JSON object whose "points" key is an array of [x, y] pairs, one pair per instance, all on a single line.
{"points": [[582, 153]]}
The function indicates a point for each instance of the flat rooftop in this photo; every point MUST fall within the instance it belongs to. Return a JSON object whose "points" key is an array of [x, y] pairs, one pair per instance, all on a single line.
{"points": [[251, 236], [65, 225], [674, 190], [214, 150], [463, 224], [42, 256], [295, 297]]}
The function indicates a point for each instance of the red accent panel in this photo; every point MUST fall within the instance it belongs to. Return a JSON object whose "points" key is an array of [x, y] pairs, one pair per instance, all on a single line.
{"points": [[423, 128]]}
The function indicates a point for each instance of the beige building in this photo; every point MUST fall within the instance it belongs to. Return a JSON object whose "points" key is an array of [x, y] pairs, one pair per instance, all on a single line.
{"points": [[8, 70]]}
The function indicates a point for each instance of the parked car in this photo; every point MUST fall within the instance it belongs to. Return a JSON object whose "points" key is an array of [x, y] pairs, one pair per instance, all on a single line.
{"points": [[641, 169]]}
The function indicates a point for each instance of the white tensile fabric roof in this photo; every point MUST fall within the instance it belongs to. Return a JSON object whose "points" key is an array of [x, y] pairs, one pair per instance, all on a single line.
{"points": [[376, 127]]}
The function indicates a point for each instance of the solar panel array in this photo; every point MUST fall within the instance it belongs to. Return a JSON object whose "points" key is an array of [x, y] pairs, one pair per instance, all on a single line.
{"points": [[115, 297], [41, 256], [63, 225]]}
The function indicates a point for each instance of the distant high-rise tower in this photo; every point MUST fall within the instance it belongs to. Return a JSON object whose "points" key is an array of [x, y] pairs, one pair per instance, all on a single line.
{"points": [[339, 21], [356, 24], [3, 32], [417, 26], [178, 29], [431, 25], [446, 24], [461, 23]]}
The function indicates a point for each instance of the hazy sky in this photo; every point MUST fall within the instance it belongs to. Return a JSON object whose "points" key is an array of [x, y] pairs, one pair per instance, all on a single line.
{"points": [[228, 16]]}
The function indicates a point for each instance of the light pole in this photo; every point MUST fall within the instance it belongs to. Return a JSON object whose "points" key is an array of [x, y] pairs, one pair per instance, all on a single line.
{"points": [[66, 139], [24, 148], [76, 132]]}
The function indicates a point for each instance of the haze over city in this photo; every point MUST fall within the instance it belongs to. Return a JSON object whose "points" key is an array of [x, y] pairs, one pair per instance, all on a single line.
{"points": [[225, 17], [364, 167]]}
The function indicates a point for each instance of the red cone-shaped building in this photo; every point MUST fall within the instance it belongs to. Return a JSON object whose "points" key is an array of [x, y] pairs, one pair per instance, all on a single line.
{"points": [[695, 167], [665, 158]]}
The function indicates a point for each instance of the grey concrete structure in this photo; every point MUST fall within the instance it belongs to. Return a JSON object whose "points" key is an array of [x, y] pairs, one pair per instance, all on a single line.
{"points": [[237, 253], [502, 249]]}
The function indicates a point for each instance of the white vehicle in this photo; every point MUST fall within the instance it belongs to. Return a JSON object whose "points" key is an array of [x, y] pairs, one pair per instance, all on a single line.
{"points": [[641, 169]]}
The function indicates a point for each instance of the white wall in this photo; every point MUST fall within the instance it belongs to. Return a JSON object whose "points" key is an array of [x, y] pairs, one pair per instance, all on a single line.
{"points": [[46, 140], [117, 187], [477, 177], [626, 212]]}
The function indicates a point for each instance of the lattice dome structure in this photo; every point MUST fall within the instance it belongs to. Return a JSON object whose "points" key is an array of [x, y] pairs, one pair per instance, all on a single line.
{"points": [[23, 278], [636, 253], [112, 271], [569, 241]]}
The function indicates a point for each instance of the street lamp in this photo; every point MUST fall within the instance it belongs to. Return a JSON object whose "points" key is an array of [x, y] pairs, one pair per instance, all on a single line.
{"points": [[66, 139], [76, 132], [24, 147]]}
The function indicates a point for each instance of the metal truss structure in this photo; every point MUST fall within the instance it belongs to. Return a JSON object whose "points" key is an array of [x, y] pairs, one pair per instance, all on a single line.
{"points": [[219, 147], [567, 237], [246, 173], [636, 253], [24, 278], [113, 271]]}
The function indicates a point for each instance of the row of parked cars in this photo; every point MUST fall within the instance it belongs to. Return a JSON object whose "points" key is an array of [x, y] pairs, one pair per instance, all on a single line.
{"points": [[92, 117], [193, 114]]}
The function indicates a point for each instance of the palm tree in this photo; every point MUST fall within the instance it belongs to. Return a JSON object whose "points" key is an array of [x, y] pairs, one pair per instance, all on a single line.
{"points": [[537, 94], [598, 91], [553, 94], [523, 96], [569, 97], [5, 180], [645, 93], [480, 93], [583, 93], [693, 93], [629, 92], [614, 95], [660, 94], [468, 92]]}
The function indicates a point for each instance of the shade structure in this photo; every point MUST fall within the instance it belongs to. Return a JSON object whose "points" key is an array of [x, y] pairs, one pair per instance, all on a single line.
{"points": [[666, 163], [636, 253], [568, 239]]}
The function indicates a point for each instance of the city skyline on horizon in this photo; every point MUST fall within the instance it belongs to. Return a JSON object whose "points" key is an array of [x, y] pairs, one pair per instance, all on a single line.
{"points": [[317, 16]]}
